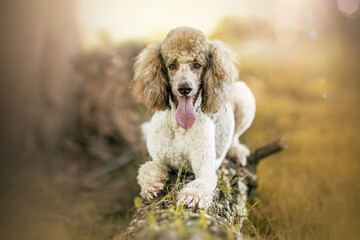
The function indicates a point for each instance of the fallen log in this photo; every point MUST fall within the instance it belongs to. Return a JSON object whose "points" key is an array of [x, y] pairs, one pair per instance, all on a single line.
{"points": [[160, 218]]}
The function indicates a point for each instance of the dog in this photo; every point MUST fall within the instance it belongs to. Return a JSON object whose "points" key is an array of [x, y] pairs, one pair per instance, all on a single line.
{"points": [[200, 111]]}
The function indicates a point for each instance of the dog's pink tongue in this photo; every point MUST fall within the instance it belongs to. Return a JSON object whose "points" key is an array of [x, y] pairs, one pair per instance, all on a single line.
{"points": [[185, 114]]}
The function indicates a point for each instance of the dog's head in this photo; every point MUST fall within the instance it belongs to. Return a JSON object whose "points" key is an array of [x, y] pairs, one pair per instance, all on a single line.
{"points": [[180, 68]]}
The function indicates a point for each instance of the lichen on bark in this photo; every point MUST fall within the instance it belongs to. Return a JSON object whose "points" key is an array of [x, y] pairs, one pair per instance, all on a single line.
{"points": [[162, 218]]}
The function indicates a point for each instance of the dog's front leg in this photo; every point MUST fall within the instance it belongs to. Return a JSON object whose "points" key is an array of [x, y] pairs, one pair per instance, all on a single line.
{"points": [[154, 174], [152, 178], [202, 156]]}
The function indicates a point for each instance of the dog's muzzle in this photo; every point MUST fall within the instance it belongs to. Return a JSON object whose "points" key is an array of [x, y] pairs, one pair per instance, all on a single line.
{"points": [[185, 88], [185, 113]]}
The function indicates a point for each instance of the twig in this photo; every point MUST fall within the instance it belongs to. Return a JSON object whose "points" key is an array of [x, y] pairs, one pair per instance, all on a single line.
{"points": [[260, 153], [255, 158]]}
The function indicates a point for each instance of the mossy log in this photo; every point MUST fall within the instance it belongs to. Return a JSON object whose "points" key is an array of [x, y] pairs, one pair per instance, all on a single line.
{"points": [[160, 218]]}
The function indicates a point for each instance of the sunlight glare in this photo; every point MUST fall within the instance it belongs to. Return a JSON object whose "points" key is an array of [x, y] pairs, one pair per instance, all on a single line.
{"points": [[348, 6], [151, 20], [287, 16]]}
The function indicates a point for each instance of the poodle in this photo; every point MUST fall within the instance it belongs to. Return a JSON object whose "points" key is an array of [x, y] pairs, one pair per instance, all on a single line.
{"points": [[200, 112]]}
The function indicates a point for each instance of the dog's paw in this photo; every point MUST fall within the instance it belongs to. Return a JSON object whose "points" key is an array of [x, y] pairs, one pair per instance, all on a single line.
{"points": [[239, 153], [153, 191], [241, 159], [196, 194]]}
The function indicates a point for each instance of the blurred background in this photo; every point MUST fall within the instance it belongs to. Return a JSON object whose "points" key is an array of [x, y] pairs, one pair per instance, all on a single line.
{"points": [[70, 142]]}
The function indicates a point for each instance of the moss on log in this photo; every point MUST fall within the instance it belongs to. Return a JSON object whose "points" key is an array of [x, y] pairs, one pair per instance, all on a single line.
{"points": [[160, 218]]}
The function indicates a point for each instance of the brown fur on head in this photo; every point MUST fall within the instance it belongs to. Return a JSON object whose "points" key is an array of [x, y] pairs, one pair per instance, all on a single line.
{"points": [[219, 77], [184, 56], [150, 82]]}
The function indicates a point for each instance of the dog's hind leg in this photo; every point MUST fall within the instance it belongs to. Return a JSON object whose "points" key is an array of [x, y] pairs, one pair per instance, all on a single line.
{"points": [[244, 113]]}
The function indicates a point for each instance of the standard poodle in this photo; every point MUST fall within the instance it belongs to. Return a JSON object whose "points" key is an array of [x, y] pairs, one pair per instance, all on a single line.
{"points": [[200, 111]]}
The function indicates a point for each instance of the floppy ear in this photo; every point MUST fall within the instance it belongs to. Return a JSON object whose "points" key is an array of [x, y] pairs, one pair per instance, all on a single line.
{"points": [[219, 76], [149, 82]]}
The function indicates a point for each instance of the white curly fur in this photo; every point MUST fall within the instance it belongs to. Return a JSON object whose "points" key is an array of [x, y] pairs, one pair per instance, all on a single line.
{"points": [[216, 130]]}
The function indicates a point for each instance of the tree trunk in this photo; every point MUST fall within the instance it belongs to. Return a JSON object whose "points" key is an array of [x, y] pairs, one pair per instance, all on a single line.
{"points": [[160, 218]]}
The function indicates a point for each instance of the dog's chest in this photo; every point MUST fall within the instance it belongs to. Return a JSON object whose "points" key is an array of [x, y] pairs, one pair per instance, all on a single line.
{"points": [[173, 145], [169, 143], [180, 146]]}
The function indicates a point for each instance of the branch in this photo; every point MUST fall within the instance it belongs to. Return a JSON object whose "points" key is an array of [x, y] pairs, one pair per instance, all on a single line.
{"points": [[260, 153], [253, 161]]}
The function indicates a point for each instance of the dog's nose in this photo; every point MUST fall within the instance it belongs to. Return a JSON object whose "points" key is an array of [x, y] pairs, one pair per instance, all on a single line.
{"points": [[185, 88]]}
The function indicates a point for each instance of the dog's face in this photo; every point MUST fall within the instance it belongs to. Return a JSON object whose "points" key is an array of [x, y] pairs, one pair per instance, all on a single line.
{"points": [[185, 76], [181, 67], [185, 55]]}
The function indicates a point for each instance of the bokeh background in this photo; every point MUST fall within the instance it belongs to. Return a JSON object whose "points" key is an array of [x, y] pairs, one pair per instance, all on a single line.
{"points": [[70, 142]]}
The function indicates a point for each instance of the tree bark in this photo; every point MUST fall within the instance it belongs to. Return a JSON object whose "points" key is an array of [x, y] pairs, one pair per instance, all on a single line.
{"points": [[160, 218]]}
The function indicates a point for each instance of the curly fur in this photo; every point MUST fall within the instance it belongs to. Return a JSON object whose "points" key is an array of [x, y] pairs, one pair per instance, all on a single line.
{"points": [[224, 110], [217, 81], [150, 83]]}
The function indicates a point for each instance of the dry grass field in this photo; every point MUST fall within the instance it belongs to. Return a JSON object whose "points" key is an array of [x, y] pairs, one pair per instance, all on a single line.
{"points": [[308, 92]]}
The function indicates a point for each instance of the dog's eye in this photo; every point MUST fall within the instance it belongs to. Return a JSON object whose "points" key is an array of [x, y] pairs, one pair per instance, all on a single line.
{"points": [[197, 65], [172, 66]]}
